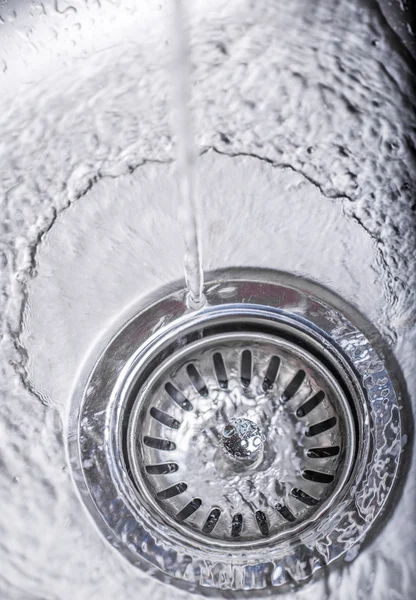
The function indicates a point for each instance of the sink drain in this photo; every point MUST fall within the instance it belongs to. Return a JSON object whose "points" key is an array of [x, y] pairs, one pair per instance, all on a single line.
{"points": [[239, 436], [240, 447]]}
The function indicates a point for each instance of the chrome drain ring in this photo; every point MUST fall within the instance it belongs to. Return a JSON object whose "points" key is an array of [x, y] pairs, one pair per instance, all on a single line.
{"points": [[202, 543]]}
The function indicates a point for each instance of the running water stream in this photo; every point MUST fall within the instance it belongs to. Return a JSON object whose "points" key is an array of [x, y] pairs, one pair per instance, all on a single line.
{"points": [[186, 157]]}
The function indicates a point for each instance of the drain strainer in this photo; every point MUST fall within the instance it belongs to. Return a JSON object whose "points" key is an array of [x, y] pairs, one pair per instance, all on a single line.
{"points": [[239, 447], [239, 436]]}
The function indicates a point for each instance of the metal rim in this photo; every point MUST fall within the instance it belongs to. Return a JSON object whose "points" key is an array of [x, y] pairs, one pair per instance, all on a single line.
{"points": [[99, 408]]}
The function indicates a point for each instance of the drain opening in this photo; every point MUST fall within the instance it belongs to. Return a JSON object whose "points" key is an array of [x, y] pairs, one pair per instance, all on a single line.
{"points": [[310, 404], [158, 444], [197, 380], [262, 523], [220, 370], [164, 418], [294, 386], [178, 397], [162, 469], [271, 374], [237, 525], [212, 520], [304, 497], [227, 423], [246, 368], [321, 427], [189, 509], [283, 510], [317, 477], [172, 491], [323, 452]]}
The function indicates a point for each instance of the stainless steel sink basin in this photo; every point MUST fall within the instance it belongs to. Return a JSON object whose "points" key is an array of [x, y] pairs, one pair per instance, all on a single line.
{"points": [[304, 119]]}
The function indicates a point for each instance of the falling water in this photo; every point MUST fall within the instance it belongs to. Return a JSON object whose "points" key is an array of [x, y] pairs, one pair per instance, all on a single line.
{"points": [[186, 156]]}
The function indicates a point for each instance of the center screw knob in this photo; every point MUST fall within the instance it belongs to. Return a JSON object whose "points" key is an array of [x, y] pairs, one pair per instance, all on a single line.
{"points": [[242, 440]]}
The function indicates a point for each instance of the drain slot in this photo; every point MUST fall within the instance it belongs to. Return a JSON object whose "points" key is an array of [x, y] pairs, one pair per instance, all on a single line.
{"points": [[197, 380], [189, 510], [220, 371], [162, 469], [323, 452], [164, 419], [321, 427], [283, 510], [317, 477], [310, 404], [178, 397], [158, 444], [304, 497], [262, 523], [237, 525], [271, 373], [246, 367], [293, 386], [211, 521], [173, 491]]}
